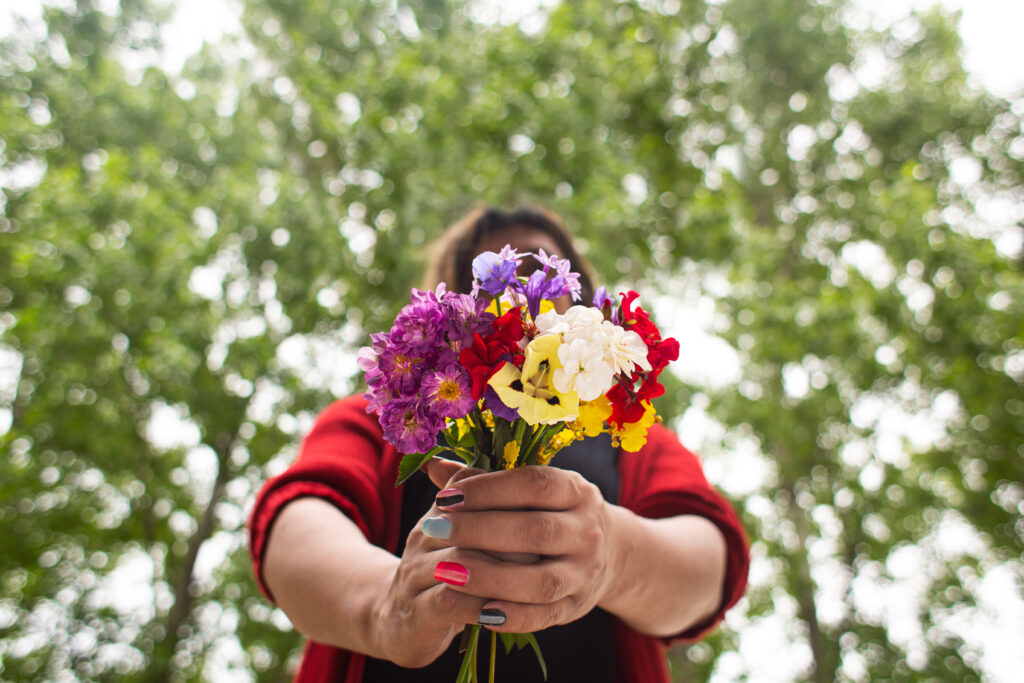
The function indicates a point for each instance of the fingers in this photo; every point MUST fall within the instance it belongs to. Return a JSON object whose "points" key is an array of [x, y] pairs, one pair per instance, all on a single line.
{"points": [[525, 531], [527, 597], [522, 488], [440, 470], [481, 575], [449, 606], [526, 618]]}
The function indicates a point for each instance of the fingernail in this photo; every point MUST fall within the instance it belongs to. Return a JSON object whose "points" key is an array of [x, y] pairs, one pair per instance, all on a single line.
{"points": [[451, 572], [437, 527], [450, 498], [423, 467], [491, 617]]}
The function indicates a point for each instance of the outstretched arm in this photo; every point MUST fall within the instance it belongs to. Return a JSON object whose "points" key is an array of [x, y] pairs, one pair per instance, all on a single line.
{"points": [[340, 590]]}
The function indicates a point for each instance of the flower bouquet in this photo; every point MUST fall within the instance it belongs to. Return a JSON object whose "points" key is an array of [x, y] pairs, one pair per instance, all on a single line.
{"points": [[503, 380]]}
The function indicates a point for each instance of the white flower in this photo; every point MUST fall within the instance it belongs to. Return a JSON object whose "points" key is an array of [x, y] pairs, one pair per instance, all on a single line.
{"points": [[551, 322], [577, 322], [584, 370], [625, 347]]}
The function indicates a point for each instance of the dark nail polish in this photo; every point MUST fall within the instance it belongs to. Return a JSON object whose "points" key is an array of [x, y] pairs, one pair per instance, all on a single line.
{"points": [[491, 617], [450, 498]]}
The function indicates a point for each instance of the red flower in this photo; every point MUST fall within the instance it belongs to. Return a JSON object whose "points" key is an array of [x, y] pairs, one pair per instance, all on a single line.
{"points": [[626, 397], [509, 327], [659, 351], [626, 406], [486, 355]]}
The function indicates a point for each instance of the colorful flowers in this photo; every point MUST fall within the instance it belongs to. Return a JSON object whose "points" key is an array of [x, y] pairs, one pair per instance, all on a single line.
{"points": [[515, 385]]}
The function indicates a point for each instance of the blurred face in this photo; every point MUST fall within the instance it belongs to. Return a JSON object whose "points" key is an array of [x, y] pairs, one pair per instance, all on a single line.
{"points": [[525, 239]]}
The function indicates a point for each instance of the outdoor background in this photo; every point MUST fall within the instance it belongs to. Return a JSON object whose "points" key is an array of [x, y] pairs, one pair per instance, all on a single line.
{"points": [[825, 210]]}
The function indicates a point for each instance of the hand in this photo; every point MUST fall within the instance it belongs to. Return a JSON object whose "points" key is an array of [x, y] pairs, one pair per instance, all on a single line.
{"points": [[553, 513], [417, 616]]}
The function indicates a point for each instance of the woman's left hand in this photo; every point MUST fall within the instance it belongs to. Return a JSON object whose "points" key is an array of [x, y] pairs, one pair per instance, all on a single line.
{"points": [[545, 511]]}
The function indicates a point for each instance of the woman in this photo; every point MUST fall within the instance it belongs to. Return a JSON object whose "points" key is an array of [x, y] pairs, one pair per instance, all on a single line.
{"points": [[635, 550]]}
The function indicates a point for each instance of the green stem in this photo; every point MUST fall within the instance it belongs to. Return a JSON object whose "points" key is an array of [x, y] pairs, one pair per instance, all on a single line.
{"points": [[463, 452], [476, 421], [520, 433], [467, 672], [530, 451], [475, 640], [494, 650]]}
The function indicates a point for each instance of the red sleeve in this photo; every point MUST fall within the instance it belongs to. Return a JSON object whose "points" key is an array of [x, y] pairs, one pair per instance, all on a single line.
{"points": [[344, 461], [665, 479]]}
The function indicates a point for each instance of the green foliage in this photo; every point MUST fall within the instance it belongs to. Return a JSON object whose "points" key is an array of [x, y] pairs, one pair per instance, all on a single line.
{"points": [[205, 250]]}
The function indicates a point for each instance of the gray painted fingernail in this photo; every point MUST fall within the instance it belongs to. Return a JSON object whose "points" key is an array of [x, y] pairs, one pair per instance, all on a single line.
{"points": [[491, 617], [437, 527]]}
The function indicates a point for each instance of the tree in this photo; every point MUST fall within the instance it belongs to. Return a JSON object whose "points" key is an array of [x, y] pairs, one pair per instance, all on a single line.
{"points": [[206, 250]]}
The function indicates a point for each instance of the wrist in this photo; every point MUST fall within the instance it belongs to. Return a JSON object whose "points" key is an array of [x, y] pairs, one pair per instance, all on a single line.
{"points": [[379, 620], [620, 574]]}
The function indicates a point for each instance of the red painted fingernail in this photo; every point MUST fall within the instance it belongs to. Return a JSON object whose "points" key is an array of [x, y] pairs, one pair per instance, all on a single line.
{"points": [[451, 572], [449, 499]]}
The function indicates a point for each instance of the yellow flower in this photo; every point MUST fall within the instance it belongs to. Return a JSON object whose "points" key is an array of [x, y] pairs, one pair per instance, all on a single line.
{"points": [[633, 436], [511, 454], [530, 391], [562, 439], [557, 443], [506, 306], [593, 415], [462, 427]]}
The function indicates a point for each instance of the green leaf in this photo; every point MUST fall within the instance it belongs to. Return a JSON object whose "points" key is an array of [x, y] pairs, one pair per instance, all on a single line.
{"points": [[509, 641], [413, 461], [532, 640]]}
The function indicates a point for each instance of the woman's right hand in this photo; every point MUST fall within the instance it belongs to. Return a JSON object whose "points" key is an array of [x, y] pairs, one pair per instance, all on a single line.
{"points": [[417, 616], [339, 589]]}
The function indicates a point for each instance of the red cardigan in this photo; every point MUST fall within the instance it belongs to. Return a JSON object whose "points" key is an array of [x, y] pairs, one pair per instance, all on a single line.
{"points": [[345, 461]]}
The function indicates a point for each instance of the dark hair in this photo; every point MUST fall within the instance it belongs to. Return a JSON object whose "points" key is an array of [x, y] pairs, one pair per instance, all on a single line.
{"points": [[453, 257]]}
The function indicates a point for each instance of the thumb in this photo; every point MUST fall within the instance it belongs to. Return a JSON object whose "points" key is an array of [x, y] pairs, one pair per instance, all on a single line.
{"points": [[441, 470]]}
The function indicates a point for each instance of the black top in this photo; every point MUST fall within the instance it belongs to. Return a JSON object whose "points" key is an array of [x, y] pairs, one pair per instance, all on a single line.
{"points": [[580, 651]]}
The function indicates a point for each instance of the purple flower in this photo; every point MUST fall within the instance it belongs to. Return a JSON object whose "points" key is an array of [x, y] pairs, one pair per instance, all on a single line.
{"points": [[408, 426], [572, 280], [401, 369], [465, 316], [447, 392], [606, 303], [496, 272], [539, 287], [499, 409], [420, 296], [418, 325]]}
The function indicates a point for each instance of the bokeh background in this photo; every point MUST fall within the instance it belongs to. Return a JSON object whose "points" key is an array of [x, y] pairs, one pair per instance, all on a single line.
{"points": [[825, 210]]}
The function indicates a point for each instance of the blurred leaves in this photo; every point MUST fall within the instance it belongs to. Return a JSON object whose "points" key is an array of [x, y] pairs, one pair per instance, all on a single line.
{"points": [[190, 259]]}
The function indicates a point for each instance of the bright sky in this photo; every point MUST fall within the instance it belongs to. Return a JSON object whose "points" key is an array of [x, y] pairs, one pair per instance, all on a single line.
{"points": [[993, 51]]}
